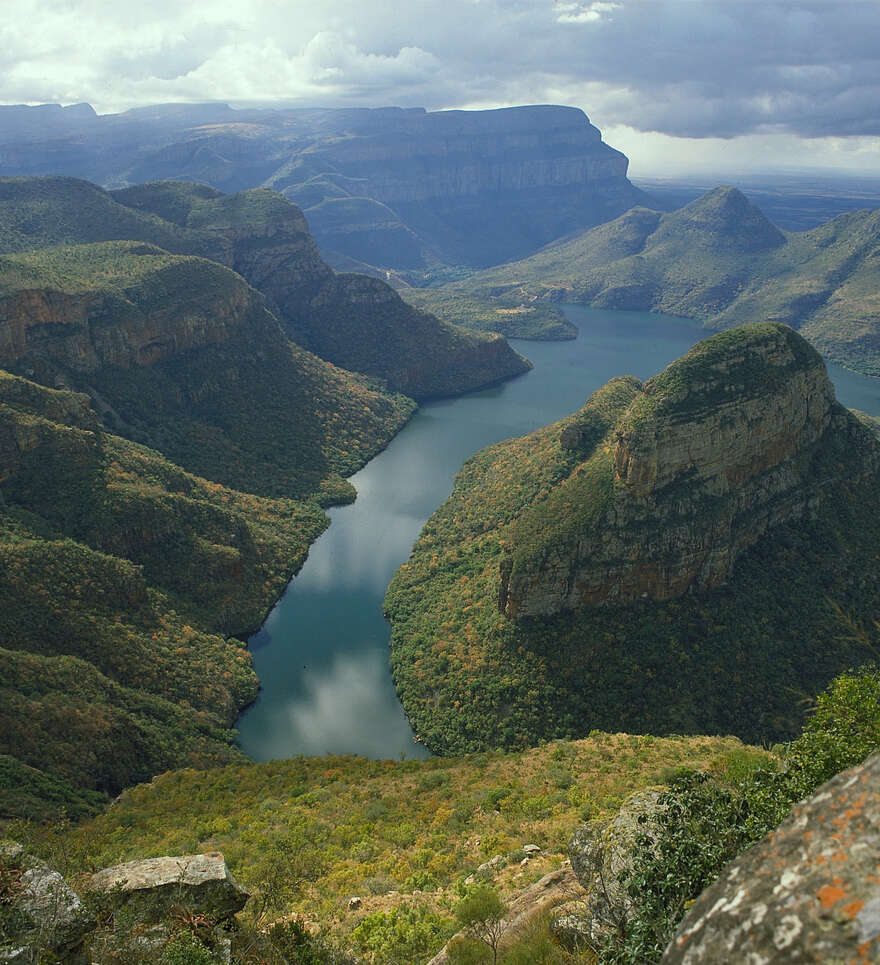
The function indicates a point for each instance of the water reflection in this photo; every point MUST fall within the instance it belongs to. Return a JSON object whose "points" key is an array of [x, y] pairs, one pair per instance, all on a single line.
{"points": [[322, 655]]}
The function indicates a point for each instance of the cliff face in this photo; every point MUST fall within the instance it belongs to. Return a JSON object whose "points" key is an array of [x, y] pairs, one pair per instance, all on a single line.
{"points": [[352, 320], [451, 154], [712, 455], [178, 353], [87, 330], [387, 187]]}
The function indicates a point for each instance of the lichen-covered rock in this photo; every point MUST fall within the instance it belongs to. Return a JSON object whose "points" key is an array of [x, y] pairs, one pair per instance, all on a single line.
{"points": [[40, 916], [153, 887], [710, 456], [599, 856], [808, 893]]}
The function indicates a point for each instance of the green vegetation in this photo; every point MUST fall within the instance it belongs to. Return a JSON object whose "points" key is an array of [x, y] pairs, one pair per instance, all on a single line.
{"points": [[735, 659], [181, 354], [525, 318], [123, 578], [353, 321], [718, 260], [704, 821], [307, 834]]}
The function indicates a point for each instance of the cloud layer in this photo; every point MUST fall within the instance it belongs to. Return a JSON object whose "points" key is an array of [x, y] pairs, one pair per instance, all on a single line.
{"points": [[685, 68]]}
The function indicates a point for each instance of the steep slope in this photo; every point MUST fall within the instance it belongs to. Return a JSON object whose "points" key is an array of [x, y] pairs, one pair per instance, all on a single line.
{"points": [[390, 187], [122, 577], [720, 260], [179, 353], [674, 557], [400, 835], [350, 320]]}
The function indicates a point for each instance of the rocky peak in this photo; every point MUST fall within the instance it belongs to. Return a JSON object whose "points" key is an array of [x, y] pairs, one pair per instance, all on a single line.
{"points": [[724, 218], [728, 443]]}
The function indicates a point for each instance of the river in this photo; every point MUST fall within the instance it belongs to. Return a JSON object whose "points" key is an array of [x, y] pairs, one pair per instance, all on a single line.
{"points": [[322, 654]]}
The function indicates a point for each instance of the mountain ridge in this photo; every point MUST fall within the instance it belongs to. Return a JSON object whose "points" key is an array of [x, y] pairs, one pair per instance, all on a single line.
{"points": [[718, 260]]}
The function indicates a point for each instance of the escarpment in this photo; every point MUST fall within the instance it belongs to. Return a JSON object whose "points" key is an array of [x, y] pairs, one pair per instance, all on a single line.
{"points": [[178, 352], [710, 456], [354, 321], [679, 556]]}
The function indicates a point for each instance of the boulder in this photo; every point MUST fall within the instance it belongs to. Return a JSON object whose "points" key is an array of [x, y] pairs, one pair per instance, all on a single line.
{"points": [[808, 893], [153, 887], [599, 856], [40, 916]]}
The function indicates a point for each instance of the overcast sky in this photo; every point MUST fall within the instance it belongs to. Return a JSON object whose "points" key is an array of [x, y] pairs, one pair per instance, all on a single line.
{"points": [[676, 84]]}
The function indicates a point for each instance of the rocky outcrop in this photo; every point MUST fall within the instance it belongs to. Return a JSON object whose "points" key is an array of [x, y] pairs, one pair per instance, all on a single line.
{"points": [[600, 857], [808, 893], [153, 887], [351, 320], [712, 455], [389, 187], [42, 918], [89, 330]]}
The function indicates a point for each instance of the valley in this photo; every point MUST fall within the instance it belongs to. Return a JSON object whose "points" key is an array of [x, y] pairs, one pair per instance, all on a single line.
{"points": [[505, 591]]}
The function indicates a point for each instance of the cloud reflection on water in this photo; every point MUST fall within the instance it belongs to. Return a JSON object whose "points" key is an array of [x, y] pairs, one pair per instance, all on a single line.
{"points": [[346, 709]]}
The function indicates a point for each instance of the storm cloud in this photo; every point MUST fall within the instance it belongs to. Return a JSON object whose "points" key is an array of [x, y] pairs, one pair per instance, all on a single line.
{"points": [[705, 68]]}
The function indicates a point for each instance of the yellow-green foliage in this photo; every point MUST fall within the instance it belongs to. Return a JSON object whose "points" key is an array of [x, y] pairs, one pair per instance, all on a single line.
{"points": [[343, 826], [523, 318], [122, 577]]}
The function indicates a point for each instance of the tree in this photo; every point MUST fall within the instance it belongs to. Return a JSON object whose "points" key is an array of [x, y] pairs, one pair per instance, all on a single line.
{"points": [[481, 914]]}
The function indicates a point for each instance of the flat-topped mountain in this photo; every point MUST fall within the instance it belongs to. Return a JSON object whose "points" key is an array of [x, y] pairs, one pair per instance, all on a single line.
{"points": [[351, 320], [394, 188], [662, 560], [719, 260]]}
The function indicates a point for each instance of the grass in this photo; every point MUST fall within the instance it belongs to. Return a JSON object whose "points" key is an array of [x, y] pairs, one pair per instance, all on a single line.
{"points": [[400, 835]]}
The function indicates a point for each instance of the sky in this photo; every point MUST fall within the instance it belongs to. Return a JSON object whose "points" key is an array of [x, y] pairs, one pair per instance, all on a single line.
{"points": [[678, 85]]}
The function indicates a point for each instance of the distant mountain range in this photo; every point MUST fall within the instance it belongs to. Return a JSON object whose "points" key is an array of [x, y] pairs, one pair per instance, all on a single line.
{"points": [[389, 188], [718, 260]]}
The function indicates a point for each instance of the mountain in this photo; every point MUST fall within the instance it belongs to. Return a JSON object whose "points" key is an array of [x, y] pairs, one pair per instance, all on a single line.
{"points": [[399, 189], [123, 577], [686, 555], [351, 320], [178, 353], [719, 260]]}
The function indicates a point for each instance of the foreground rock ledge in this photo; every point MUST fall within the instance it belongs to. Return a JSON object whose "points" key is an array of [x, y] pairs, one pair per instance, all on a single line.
{"points": [[156, 885], [809, 892]]}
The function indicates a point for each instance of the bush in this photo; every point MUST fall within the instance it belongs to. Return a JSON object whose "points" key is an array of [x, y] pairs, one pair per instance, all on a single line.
{"points": [[703, 822]]}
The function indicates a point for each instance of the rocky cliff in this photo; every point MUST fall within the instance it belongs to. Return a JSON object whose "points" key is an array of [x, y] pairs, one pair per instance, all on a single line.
{"points": [[353, 321], [388, 187], [710, 456], [175, 351], [674, 557], [808, 893]]}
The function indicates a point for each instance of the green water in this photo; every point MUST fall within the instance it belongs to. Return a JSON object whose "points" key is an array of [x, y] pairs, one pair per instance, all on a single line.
{"points": [[322, 655]]}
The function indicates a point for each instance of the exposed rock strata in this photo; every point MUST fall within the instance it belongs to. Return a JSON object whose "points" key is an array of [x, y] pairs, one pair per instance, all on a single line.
{"points": [[87, 331], [807, 893], [351, 320], [711, 456], [389, 187]]}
